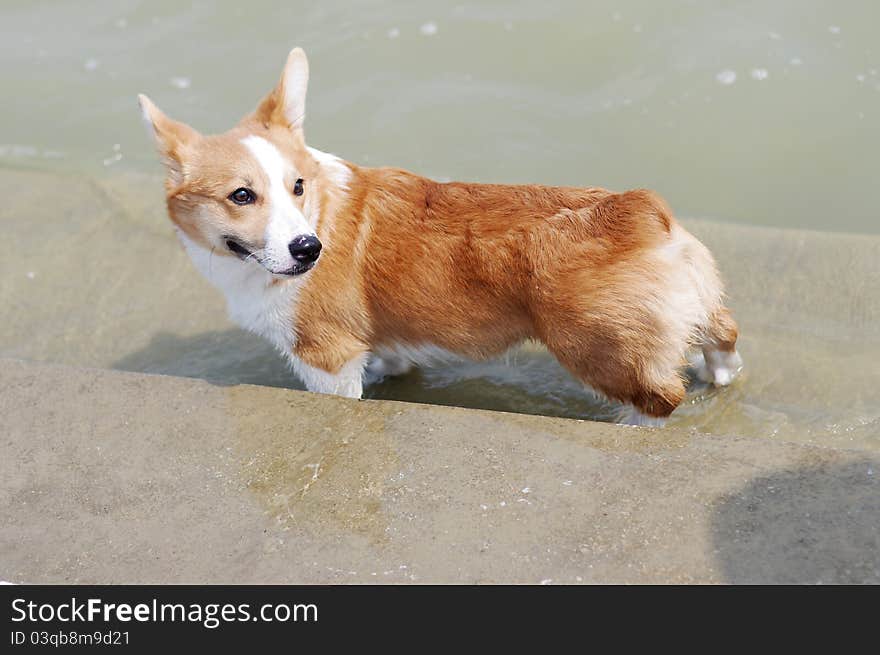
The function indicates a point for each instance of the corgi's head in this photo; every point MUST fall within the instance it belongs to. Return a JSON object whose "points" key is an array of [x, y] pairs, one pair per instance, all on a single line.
{"points": [[253, 192]]}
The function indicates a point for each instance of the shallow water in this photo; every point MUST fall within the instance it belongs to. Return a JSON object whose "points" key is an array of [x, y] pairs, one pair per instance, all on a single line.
{"points": [[759, 113]]}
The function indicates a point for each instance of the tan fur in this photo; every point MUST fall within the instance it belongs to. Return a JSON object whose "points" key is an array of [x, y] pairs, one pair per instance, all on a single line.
{"points": [[609, 282], [476, 269]]}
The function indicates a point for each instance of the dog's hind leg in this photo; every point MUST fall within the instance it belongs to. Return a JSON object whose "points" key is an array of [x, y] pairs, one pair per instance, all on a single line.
{"points": [[720, 362], [651, 405], [623, 367], [646, 404], [716, 331]]}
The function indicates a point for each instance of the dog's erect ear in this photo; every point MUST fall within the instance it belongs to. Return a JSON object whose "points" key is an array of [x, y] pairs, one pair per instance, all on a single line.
{"points": [[286, 104], [172, 138]]}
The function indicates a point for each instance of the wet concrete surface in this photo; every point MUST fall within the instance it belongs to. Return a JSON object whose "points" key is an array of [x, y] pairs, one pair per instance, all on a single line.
{"points": [[114, 477]]}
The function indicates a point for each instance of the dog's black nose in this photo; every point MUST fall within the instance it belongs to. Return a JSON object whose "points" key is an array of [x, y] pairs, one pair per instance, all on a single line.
{"points": [[305, 248]]}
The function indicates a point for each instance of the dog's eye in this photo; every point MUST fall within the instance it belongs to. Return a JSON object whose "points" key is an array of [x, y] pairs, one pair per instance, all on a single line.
{"points": [[242, 196], [298, 187]]}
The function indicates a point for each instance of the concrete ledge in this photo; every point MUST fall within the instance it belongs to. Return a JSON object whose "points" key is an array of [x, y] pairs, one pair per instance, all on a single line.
{"points": [[112, 477]]}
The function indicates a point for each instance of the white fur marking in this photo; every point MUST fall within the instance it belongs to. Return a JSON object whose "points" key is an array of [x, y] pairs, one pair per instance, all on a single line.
{"points": [[348, 382], [720, 367], [286, 221], [337, 171], [269, 310], [252, 303]]}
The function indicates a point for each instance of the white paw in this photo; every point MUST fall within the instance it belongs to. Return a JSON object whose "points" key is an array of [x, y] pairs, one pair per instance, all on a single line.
{"points": [[723, 377], [719, 367]]}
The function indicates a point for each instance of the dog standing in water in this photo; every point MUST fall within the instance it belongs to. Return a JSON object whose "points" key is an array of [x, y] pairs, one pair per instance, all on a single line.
{"points": [[350, 270]]}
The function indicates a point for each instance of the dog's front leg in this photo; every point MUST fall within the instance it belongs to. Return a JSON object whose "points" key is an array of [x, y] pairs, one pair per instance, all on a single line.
{"points": [[347, 381]]}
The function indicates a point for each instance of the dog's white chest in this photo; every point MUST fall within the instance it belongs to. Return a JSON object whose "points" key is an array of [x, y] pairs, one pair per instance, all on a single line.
{"points": [[252, 301], [264, 310]]}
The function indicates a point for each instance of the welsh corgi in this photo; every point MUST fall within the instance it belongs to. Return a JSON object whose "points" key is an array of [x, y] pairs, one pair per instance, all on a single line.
{"points": [[352, 271]]}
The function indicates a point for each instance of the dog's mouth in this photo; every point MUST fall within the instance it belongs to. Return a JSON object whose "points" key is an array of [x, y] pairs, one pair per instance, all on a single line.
{"points": [[299, 269], [244, 254]]}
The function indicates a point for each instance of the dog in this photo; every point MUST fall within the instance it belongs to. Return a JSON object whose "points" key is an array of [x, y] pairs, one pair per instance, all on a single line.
{"points": [[352, 271]]}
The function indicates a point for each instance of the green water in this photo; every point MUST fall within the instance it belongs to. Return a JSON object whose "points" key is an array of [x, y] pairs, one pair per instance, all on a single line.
{"points": [[618, 94], [742, 113]]}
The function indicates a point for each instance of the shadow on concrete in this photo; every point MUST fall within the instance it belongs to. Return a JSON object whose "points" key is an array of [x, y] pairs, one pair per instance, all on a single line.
{"points": [[226, 357], [531, 385], [815, 525], [527, 383]]}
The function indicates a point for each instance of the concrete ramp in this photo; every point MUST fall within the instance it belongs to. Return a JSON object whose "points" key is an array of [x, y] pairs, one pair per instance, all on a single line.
{"points": [[129, 478]]}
